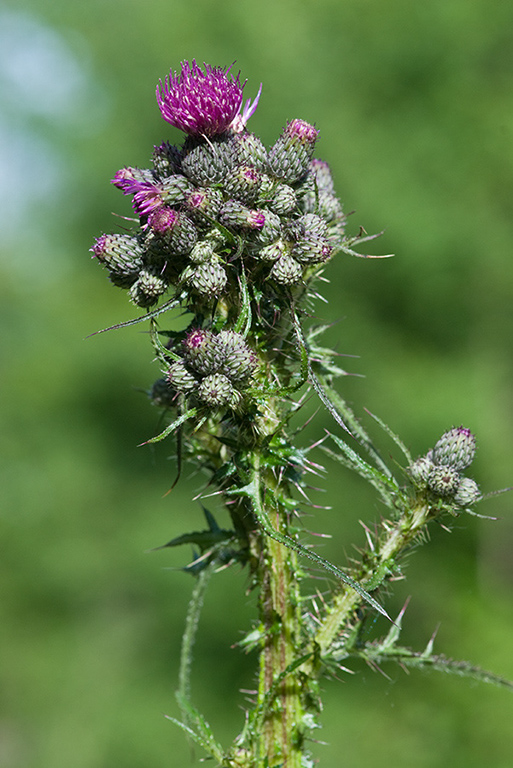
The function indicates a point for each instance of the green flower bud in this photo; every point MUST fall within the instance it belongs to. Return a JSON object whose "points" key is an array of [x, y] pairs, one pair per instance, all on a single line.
{"points": [[456, 448], [468, 492], [243, 184], [207, 162], [330, 209], [122, 255], [175, 189], [286, 270], [175, 228], [314, 250], [249, 150], [204, 204], [273, 251], [321, 173], [239, 359], [444, 481], [180, 378], [308, 226], [235, 215], [200, 351], [270, 229], [419, 471], [148, 288], [208, 279], [216, 390], [203, 251], [283, 200], [166, 159], [289, 158]]}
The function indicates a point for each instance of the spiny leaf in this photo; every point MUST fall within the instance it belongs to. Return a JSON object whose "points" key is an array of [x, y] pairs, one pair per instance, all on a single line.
{"points": [[202, 539], [201, 733], [170, 304], [386, 486], [397, 440], [174, 425], [408, 658]]}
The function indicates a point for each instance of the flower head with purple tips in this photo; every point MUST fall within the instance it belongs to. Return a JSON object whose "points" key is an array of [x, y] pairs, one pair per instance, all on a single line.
{"points": [[202, 102]]}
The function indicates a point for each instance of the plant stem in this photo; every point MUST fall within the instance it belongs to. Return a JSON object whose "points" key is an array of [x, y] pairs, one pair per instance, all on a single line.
{"points": [[379, 559], [280, 696]]}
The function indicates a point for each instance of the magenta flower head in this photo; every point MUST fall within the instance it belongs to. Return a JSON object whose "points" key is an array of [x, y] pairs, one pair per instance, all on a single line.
{"points": [[200, 103]]}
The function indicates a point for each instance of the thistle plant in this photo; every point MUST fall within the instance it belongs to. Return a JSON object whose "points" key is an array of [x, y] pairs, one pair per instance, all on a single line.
{"points": [[236, 237]]}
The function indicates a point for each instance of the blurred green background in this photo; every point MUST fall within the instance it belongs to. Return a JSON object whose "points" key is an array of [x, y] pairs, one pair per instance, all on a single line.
{"points": [[414, 102]]}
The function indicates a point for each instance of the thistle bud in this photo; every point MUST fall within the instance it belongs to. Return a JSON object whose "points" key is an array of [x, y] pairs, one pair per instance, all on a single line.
{"points": [[315, 250], [239, 359], [199, 350], [286, 270], [208, 279], [122, 255], [270, 229], [125, 178], [207, 163], [283, 200], [202, 251], [203, 204], [235, 215], [419, 471], [468, 492], [330, 208], [249, 150], [216, 390], [273, 251], [308, 225], [444, 481], [145, 292], [243, 184], [321, 173], [456, 448], [166, 159], [175, 228], [175, 189], [319, 193], [180, 378], [289, 158]]}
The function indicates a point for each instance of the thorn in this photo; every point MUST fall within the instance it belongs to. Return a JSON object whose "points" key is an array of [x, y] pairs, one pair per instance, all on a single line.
{"points": [[368, 536], [429, 647]]}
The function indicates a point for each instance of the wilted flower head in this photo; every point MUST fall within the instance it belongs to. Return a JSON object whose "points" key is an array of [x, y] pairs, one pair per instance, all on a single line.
{"points": [[200, 103]]}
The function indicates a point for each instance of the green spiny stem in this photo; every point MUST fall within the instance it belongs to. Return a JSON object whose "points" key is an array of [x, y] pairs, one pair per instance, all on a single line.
{"points": [[280, 740], [394, 538], [253, 490]]}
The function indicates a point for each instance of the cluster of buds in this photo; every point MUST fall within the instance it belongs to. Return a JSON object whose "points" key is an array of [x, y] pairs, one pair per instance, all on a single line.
{"points": [[214, 369], [439, 471], [222, 203]]}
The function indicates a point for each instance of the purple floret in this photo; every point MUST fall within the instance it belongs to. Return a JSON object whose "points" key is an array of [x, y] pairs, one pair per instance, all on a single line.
{"points": [[200, 103]]}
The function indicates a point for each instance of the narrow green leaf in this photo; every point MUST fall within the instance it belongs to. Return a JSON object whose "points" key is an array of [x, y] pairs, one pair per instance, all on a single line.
{"points": [[171, 428]]}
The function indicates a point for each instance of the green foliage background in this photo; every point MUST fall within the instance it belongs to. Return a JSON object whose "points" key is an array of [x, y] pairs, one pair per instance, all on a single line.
{"points": [[415, 106]]}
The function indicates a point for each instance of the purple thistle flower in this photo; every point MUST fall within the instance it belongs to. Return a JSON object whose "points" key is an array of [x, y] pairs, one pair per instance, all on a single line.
{"points": [[148, 196], [202, 103], [147, 199], [125, 177]]}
